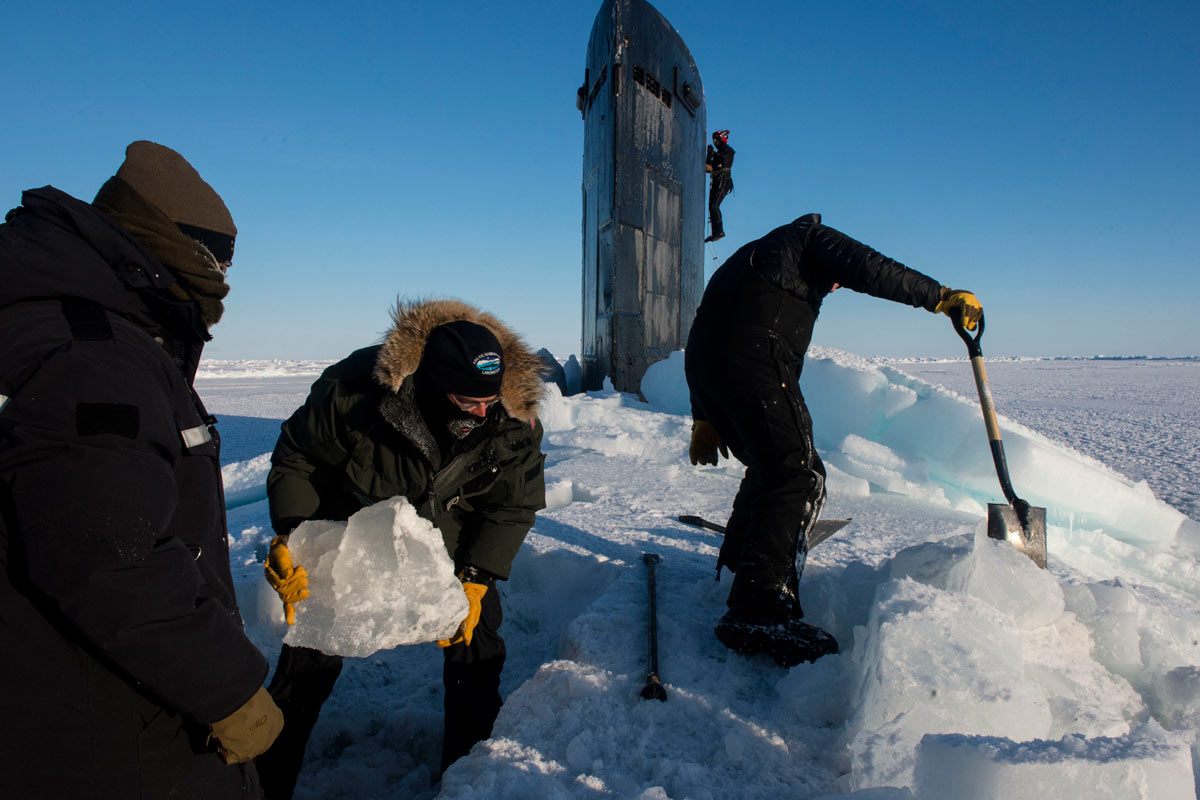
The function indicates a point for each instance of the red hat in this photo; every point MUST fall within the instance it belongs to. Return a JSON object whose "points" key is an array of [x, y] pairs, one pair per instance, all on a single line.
{"points": [[722, 135]]}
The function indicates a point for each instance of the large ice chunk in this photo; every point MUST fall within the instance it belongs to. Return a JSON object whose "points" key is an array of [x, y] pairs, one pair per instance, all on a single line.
{"points": [[381, 579], [1148, 764], [935, 661]]}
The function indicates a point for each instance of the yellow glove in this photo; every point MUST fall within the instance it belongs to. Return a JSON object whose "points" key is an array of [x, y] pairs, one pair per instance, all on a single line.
{"points": [[291, 583], [705, 444], [953, 299], [250, 730], [466, 631]]}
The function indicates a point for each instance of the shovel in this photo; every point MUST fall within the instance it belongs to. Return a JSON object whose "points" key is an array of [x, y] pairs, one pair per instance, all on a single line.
{"points": [[1016, 521]]}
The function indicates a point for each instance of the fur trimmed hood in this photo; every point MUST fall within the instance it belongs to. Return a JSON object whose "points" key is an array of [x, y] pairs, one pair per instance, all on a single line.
{"points": [[400, 354]]}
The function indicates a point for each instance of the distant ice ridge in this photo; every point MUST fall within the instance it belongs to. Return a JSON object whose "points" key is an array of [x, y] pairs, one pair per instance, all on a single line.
{"points": [[947, 360], [259, 368], [379, 580]]}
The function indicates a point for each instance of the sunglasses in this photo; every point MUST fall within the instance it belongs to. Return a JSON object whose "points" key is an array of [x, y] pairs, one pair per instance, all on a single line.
{"points": [[471, 403]]}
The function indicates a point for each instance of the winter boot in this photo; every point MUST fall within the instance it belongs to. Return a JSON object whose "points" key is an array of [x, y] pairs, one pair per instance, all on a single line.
{"points": [[764, 617]]}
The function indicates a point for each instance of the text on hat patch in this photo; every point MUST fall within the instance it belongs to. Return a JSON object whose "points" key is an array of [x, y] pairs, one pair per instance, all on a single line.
{"points": [[487, 363]]}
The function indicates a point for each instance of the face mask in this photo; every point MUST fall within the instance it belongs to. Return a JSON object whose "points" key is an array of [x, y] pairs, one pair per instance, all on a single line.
{"points": [[461, 427]]}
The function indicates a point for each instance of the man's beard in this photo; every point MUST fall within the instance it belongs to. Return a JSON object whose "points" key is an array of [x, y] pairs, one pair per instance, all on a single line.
{"points": [[462, 427]]}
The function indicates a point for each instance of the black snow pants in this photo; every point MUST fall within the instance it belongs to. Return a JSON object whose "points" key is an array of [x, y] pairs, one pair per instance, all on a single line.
{"points": [[745, 382], [304, 679], [720, 186]]}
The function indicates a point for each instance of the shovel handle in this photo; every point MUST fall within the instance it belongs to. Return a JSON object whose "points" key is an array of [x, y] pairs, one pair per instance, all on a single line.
{"points": [[988, 405], [972, 342]]}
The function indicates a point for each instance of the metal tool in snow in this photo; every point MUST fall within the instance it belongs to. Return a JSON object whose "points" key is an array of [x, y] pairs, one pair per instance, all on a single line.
{"points": [[820, 532], [1016, 521], [653, 688]]}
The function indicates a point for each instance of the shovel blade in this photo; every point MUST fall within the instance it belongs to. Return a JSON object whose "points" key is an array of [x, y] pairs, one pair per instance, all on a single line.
{"points": [[1030, 538]]}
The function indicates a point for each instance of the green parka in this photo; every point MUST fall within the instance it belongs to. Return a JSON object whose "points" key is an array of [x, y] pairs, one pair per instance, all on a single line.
{"points": [[360, 438]]}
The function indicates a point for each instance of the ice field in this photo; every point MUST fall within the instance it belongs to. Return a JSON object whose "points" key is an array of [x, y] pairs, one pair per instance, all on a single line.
{"points": [[965, 671]]}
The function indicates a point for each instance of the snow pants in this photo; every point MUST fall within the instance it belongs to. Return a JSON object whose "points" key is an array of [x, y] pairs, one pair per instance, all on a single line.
{"points": [[304, 679], [746, 383], [720, 186]]}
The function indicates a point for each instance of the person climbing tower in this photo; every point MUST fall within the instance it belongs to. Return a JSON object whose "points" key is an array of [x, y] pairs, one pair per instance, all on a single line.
{"points": [[718, 163]]}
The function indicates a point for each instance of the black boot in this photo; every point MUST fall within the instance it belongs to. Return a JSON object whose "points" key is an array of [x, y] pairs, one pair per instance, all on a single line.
{"points": [[764, 617]]}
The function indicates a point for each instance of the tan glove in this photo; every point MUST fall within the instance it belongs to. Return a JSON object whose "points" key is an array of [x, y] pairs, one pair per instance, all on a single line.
{"points": [[475, 593], [955, 300], [291, 583], [705, 444], [250, 730]]}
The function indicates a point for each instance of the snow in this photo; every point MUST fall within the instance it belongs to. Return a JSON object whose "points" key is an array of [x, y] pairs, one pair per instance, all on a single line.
{"points": [[965, 671], [1146, 764]]}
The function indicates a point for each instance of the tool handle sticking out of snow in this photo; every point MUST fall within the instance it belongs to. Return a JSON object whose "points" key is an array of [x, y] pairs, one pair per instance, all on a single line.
{"points": [[654, 689], [819, 533]]}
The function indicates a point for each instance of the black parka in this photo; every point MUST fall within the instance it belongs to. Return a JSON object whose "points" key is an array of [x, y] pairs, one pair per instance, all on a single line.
{"points": [[743, 360], [777, 283], [120, 639], [360, 438]]}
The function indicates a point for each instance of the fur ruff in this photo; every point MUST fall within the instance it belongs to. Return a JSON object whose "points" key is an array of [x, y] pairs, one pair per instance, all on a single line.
{"points": [[520, 389]]}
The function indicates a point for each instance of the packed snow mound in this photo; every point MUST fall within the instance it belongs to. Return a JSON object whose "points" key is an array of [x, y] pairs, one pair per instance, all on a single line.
{"points": [[905, 436], [381, 579]]}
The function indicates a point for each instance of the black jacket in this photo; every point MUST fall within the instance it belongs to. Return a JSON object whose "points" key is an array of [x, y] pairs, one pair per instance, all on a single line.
{"points": [[719, 159], [777, 283], [720, 164], [119, 630], [361, 438]]}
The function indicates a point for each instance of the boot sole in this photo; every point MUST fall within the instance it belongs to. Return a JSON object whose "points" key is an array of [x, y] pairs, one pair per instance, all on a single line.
{"points": [[789, 643]]}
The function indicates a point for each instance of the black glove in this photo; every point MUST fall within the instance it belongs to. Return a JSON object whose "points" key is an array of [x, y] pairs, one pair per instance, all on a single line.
{"points": [[705, 444]]}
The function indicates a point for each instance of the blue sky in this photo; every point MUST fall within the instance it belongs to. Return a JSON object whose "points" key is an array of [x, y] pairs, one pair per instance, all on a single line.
{"points": [[1044, 155]]}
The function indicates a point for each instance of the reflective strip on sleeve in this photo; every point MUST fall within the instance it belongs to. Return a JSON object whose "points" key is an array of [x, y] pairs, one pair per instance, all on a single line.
{"points": [[194, 437]]}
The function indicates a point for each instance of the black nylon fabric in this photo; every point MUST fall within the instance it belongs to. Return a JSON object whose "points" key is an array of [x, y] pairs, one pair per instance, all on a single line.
{"points": [[353, 443], [118, 621], [743, 360], [761, 416]]}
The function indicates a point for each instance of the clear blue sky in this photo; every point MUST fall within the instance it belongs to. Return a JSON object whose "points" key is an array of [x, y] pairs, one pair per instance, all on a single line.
{"points": [[1045, 155]]}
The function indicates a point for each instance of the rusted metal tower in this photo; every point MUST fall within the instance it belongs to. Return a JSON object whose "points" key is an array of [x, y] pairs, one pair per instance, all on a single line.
{"points": [[643, 193]]}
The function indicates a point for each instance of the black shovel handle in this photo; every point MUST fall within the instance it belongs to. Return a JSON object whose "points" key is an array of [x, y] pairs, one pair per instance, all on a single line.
{"points": [[972, 343], [988, 406]]}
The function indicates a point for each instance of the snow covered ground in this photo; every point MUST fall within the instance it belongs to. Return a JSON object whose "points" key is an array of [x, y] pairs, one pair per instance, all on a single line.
{"points": [[965, 671]]}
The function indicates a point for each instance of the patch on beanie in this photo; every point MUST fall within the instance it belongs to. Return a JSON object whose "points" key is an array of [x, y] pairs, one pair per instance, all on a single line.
{"points": [[487, 363]]}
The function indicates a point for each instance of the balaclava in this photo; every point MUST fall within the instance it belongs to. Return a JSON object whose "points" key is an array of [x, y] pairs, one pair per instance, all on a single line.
{"points": [[462, 358], [159, 197]]}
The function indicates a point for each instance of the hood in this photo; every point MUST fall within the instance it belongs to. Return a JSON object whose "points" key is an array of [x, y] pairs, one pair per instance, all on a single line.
{"points": [[54, 245], [400, 353]]}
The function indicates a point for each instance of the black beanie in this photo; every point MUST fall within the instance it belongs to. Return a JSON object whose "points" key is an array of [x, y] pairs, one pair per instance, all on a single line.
{"points": [[461, 357]]}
